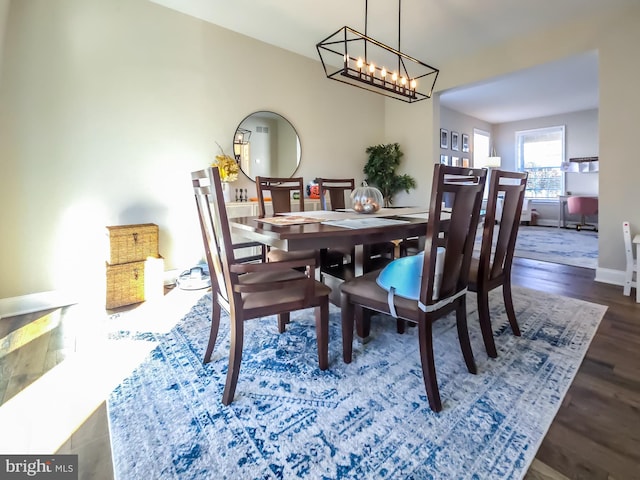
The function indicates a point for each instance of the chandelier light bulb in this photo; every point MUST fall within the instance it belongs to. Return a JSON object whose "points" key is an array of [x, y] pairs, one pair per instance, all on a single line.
{"points": [[359, 63], [372, 68], [394, 77], [403, 81], [414, 84], [383, 72]]}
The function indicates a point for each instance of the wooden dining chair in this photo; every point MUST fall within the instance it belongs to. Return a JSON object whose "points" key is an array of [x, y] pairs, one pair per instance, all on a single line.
{"points": [[493, 266], [281, 191], [583, 206], [450, 287], [251, 290]]}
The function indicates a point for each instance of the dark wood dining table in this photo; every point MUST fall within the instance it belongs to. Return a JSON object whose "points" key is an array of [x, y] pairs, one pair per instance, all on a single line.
{"points": [[321, 229]]}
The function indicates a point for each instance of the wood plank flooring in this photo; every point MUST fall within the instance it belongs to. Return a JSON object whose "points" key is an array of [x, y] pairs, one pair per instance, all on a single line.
{"points": [[595, 435]]}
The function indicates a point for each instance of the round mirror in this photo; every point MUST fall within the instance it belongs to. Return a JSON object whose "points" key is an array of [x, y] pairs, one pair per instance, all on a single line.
{"points": [[266, 145]]}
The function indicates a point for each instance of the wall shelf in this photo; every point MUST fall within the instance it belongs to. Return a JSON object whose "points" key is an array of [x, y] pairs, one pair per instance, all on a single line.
{"points": [[582, 165]]}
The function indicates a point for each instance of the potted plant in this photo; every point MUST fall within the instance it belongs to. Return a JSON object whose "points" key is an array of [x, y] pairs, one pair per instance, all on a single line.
{"points": [[381, 168]]}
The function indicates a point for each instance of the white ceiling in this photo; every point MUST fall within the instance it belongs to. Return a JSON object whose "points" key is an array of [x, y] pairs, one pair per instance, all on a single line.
{"points": [[432, 32]]}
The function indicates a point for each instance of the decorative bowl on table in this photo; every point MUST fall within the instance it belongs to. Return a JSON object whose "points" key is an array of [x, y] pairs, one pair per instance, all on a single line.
{"points": [[366, 199]]}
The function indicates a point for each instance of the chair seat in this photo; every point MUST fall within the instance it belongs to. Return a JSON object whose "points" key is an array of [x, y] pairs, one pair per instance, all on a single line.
{"points": [[273, 300], [365, 287]]}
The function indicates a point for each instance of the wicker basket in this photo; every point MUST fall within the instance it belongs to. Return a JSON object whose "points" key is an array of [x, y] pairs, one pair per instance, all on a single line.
{"points": [[132, 243], [134, 282]]}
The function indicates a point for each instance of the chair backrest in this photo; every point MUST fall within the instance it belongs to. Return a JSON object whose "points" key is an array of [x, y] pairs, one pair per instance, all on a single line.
{"points": [[628, 246], [216, 235], [336, 188], [464, 186], [280, 190], [506, 189], [582, 205]]}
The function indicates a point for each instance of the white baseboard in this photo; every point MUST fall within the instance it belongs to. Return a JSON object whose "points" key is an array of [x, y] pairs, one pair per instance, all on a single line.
{"points": [[34, 302], [608, 275]]}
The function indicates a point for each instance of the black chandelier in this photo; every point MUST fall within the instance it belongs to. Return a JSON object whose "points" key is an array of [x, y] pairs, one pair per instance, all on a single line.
{"points": [[359, 60], [242, 136]]}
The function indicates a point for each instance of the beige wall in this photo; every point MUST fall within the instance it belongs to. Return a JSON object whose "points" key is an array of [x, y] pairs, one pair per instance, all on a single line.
{"points": [[105, 108]]}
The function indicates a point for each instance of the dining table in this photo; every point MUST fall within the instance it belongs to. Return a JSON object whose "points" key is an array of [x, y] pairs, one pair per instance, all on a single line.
{"points": [[320, 229]]}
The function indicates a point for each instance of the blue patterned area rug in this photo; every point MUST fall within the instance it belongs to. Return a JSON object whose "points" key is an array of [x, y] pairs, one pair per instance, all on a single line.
{"points": [[369, 419], [556, 245]]}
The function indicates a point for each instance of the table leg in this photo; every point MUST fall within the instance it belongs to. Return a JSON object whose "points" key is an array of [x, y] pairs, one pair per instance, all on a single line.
{"points": [[358, 264]]}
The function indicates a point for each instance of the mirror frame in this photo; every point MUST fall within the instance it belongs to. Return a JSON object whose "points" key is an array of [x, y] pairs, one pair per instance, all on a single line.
{"points": [[241, 132]]}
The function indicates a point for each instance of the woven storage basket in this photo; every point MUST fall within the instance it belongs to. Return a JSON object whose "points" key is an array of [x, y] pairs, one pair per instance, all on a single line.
{"points": [[134, 282], [132, 243]]}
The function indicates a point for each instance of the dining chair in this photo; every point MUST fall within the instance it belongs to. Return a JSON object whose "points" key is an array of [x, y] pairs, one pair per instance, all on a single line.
{"points": [[281, 191], [631, 270], [436, 295], [492, 268], [583, 206], [252, 290]]}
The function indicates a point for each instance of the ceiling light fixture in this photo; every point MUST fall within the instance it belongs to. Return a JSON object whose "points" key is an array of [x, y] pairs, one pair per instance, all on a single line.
{"points": [[242, 136], [361, 61]]}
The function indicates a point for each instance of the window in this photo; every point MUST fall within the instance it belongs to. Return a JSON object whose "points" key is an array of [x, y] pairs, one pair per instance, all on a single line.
{"points": [[481, 141], [541, 153]]}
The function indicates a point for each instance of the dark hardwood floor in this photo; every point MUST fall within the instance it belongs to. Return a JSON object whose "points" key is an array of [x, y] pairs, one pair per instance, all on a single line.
{"points": [[595, 435]]}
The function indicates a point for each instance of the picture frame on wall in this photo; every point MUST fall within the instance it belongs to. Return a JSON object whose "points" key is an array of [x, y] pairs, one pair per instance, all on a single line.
{"points": [[444, 138], [466, 163], [454, 141], [444, 159], [465, 143], [455, 162]]}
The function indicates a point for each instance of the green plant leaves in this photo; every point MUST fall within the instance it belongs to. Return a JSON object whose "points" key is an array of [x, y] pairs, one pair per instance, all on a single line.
{"points": [[380, 169]]}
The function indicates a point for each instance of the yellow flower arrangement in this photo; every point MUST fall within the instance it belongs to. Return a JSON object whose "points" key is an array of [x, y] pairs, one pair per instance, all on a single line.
{"points": [[227, 167]]}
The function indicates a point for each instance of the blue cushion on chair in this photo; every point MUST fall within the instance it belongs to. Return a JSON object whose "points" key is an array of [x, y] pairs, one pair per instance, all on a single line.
{"points": [[404, 275]]}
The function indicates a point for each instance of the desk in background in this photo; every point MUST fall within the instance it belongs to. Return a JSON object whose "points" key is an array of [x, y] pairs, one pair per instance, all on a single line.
{"points": [[562, 205]]}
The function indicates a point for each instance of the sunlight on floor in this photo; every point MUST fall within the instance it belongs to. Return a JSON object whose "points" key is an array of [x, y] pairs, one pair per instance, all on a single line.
{"points": [[46, 413]]}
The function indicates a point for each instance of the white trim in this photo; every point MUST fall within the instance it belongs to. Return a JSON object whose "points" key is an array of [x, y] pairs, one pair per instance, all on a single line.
{"points": [[610, 276], [34, 302]]}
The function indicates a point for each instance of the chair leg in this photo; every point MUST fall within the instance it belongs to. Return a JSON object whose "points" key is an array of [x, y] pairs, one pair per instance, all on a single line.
{"points": [[401, 325], [235, 358], [283, 319], [485, 323], [322, 333], [463, 335], [213, 333], [347, 316], [428, 365], [508, 305]]}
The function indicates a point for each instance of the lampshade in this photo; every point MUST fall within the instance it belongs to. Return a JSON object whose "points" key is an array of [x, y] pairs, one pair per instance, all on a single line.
{"points": [[493, 160]]}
